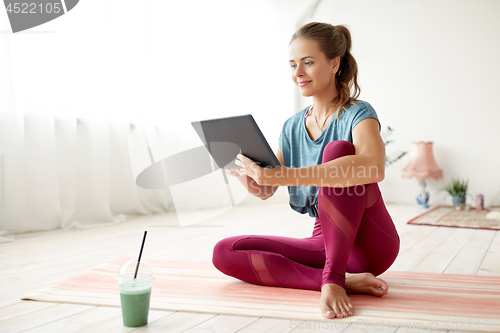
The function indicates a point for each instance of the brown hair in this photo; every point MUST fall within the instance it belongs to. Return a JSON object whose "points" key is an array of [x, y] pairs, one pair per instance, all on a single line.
{"points": [[335, 41]]}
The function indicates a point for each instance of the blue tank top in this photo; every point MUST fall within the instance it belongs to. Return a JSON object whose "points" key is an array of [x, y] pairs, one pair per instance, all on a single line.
{"points": [[299, 150]]}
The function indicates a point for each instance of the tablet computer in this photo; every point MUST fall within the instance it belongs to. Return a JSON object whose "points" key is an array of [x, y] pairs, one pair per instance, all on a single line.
{"points": [[225, 138]]}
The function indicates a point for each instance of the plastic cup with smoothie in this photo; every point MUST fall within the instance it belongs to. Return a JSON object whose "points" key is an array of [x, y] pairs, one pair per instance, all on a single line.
{"points": [[135, 293]]}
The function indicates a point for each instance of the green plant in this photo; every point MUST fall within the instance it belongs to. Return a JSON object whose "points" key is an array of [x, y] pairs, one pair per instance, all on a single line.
{"points": [[456, 187], [390, 160]]}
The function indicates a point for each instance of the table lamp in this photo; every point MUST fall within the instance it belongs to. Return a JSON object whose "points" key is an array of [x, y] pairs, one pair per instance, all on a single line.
{"points": [[421, 166]]}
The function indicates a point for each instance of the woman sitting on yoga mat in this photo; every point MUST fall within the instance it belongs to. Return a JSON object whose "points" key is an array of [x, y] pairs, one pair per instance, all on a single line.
{"points": [[332, 157]]}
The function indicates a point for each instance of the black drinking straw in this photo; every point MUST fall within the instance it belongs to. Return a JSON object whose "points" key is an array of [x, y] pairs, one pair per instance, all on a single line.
{"points": [[140, 254]]}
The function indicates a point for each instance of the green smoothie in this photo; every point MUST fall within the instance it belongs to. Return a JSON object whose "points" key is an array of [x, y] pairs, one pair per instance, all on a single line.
{"points": [[135, 307], [135, 295]]}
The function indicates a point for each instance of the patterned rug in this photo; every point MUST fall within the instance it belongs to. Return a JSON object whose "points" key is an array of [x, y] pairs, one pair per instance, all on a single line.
{"points": [[415, 300], [447, 216]]}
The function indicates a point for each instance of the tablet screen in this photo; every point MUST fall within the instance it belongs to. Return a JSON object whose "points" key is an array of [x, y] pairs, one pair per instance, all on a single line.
{"points": [[225, 138]]}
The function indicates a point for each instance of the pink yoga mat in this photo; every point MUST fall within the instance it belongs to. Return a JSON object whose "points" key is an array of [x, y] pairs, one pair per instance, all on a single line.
{"points": [[415, 300]]}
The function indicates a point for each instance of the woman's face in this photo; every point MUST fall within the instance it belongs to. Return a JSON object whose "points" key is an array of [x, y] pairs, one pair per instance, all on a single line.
{"points": [[312, 72]]}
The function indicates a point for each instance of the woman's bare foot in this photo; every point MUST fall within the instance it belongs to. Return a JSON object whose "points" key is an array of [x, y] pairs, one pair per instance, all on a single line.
{"points": [[365, 283], [334, 302]]}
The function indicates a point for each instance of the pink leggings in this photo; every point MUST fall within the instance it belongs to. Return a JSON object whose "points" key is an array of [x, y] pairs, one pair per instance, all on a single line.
{"points": [[354, 233]]}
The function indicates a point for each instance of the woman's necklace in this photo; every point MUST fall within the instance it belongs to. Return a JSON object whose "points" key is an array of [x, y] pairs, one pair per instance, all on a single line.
{"points": [[320, 129]]}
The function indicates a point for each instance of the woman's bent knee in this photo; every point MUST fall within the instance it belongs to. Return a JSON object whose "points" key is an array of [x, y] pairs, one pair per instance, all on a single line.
{"points": [[220, 254], [224, 254], [336, 149]]}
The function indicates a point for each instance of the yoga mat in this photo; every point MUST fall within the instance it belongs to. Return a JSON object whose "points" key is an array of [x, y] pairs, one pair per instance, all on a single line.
{"points": [[415, 300], [449, 217]]}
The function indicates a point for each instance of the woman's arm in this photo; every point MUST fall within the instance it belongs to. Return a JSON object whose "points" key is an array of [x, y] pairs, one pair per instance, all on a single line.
{"points": [[365, 167], [263, 192]]}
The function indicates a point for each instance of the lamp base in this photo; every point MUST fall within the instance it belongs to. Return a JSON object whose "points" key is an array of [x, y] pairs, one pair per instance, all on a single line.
{"points": [[422, 196]]}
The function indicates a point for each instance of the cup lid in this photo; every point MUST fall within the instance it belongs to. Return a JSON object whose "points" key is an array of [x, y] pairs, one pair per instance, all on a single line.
{"points": [[130, 266]]}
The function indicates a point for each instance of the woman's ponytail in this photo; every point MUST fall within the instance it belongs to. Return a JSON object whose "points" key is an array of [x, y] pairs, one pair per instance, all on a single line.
{"points": [[335, 41]]}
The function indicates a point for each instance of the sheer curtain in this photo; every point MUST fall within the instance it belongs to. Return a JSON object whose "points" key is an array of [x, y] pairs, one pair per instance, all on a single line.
{"points": [[74, 89]]}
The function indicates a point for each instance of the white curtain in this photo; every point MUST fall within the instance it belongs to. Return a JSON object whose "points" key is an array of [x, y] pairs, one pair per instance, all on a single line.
{"points": [[72, 90]]}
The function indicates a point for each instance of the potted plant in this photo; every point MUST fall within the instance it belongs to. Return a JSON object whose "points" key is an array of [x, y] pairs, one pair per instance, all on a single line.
{"points": [[457, 188], [385, 135]]}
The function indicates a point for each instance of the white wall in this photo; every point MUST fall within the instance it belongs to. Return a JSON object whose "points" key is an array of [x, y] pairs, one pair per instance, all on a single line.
{"points": [[431, 70], [166, 61]]}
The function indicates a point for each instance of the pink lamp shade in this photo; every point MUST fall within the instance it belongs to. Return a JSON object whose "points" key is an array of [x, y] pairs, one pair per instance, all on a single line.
{"points": [[422, 164]]}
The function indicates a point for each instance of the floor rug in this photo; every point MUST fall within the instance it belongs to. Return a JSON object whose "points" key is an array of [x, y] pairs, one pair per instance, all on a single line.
{"points": [[447, 216], [415, 300]]}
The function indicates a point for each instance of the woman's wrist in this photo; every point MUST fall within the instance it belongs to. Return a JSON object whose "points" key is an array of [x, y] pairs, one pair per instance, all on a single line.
{"points": [[260, 191], [274, 176]]}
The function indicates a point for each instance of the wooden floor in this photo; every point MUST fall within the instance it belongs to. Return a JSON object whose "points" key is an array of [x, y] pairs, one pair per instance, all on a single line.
{"points": [[35, 260]]}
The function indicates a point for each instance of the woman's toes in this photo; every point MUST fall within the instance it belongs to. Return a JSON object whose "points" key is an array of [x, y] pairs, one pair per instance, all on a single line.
{"points": [[343, 310], [377, 291], [337, 311], [330, 315], [348, 310], [381, 285]]}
